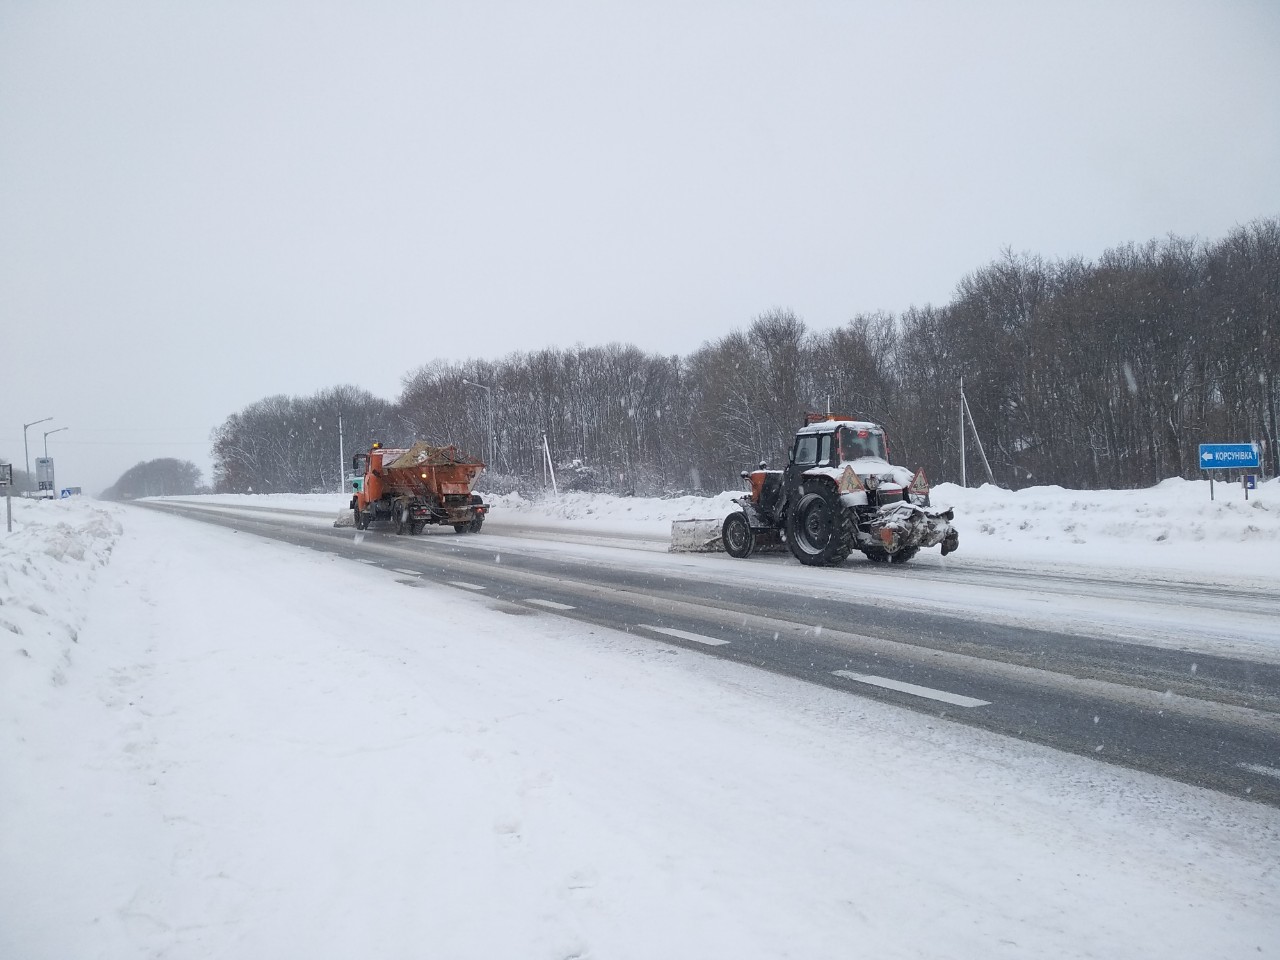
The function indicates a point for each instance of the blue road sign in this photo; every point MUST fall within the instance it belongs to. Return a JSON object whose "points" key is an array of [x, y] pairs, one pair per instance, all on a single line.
{"points": [[1229, 456]]}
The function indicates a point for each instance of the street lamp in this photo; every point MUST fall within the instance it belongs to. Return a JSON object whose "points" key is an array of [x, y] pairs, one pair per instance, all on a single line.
{"points": [[46, 438], [493, 455], [26, 460]]}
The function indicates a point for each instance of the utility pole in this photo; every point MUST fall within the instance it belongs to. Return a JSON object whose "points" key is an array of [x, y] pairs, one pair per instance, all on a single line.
{"points": [[546, 450], [963, 480], [342, 459], [965, 411], [493, 453]]}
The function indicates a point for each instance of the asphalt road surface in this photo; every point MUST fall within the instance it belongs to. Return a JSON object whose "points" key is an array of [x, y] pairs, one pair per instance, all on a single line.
{"points": [[1205, 719]]}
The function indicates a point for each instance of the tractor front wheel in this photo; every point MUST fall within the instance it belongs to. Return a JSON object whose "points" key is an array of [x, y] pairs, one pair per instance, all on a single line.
{"points": [[737, 537]]}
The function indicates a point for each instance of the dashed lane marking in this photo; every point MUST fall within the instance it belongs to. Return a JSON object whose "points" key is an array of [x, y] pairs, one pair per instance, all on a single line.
{"points": [[684, 635], [913, 689], [549, 604], [1259, 768], [466, 586], [412, 573]]}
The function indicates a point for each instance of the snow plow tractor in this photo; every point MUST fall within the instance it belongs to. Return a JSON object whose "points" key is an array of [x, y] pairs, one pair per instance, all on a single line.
{"points": [[414, 487], [839, 493]]}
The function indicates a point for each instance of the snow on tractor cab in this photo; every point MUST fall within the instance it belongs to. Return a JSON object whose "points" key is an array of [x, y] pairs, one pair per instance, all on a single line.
{"points": [[839, 493]]}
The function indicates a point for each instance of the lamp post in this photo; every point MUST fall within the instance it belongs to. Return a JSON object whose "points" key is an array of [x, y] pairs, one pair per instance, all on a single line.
{"points": [[26, 459], [493, 455], [46, 438]]}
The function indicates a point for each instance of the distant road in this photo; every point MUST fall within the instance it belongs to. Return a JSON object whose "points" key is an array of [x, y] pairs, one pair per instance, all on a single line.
{"points": [[921, 638]]}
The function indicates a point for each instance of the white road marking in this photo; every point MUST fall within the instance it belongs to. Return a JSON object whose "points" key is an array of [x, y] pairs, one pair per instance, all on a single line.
{"points": [[911, 688], [684, 635], [412, 573], [549, 604], [1259, 768], [363, 560], [466, 586]]}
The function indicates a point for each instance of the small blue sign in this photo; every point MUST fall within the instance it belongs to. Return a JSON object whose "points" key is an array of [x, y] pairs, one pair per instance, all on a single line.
{"points": [[1229, 456], [1251, 481]]}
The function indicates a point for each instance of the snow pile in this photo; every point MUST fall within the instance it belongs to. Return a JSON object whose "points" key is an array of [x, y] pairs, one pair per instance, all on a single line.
{"points": [[47, 566], [1175, 510]]}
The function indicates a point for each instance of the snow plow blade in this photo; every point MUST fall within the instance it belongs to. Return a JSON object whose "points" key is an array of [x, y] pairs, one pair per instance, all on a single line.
{"points": [[901, 525], [695, 536], [345, 519]]}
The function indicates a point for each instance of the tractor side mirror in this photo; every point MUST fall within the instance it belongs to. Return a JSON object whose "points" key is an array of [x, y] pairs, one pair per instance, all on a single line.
{"points": [[764, 464]]}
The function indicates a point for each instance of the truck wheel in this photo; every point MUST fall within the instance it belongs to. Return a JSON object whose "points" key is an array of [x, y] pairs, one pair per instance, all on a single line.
{"points": [[360, 521], [820, 531], [417, 527], [461, 527], [737, 537], [476, 523]]}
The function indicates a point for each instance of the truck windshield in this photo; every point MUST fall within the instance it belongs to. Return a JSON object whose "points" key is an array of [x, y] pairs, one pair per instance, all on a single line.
{"points": [[857, 443]]}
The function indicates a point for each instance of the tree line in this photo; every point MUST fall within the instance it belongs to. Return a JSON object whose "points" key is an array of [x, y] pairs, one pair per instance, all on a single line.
{"points": [[165, 477], [1087, 374]]}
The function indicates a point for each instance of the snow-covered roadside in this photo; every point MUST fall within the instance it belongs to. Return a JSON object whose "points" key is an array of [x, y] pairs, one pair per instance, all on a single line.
{"points": [[257, 750]]}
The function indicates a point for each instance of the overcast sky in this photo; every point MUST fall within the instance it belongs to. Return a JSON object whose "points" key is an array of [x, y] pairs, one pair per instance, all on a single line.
{"points": [[206, 203]]}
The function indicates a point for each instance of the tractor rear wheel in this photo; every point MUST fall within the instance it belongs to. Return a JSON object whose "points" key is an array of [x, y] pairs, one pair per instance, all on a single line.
{"points": [[737, 537], [820, 531]]}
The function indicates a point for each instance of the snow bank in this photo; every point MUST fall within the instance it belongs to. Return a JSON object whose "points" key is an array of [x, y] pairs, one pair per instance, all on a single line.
{"points": [[47, 566]]}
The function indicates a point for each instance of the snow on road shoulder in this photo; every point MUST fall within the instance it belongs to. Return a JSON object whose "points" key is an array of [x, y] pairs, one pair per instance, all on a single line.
{"points": [[265, 751], [47, 565]]}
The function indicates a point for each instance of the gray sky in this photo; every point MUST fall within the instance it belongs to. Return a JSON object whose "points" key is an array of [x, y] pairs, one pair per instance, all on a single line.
{"points": [[206, 203]]}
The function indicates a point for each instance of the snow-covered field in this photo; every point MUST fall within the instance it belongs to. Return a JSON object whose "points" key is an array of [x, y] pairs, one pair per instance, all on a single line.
{"points": [[217, 746]]}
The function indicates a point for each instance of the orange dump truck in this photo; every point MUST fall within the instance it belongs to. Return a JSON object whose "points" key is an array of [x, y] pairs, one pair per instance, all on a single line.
{"points": [[416, 486]]}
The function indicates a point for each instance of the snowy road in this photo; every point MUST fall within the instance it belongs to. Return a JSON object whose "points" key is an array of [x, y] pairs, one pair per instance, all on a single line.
{"points": [[1171, 677]]}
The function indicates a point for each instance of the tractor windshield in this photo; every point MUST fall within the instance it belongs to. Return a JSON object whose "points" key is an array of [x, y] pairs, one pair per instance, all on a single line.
{"points": [[856, 443]]}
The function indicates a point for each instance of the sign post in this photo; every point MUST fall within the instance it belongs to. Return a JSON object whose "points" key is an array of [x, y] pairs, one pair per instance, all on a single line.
{"points": [[44, 477], [6, 481], [1229, 456]]}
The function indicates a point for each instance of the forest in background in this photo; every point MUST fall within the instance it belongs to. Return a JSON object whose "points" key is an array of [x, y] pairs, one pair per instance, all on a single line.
{"points": [[1085, 374]]}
